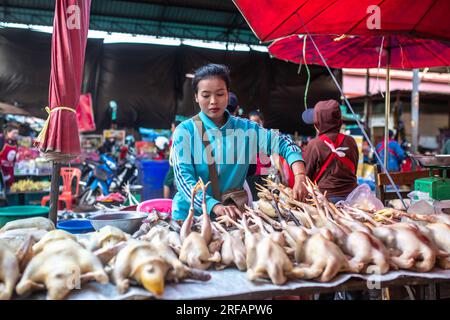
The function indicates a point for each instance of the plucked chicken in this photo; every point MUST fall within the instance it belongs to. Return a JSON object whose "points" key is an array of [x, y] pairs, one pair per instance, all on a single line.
{"points": [[60, 265], [150, 264], [367, 251], [106, 237], [38, 223], [439, 233], [166, 235], [16, 238], [194, 250], [233, 248], [409, 248], [266, 258], [319, 257], [9, 271]]}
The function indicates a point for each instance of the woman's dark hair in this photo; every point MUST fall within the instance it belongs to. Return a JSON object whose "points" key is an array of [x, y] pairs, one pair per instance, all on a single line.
{"points": [[209, 71], [256, 113]]}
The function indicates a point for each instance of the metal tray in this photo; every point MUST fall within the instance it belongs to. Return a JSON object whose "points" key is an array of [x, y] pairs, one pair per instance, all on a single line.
{"points": [[440, 160], [127, 221]]}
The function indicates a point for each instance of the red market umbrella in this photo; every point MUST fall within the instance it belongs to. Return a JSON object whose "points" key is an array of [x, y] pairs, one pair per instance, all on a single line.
{"points": [[59, 139], [364, 52], [398, 51], [274, 19]]}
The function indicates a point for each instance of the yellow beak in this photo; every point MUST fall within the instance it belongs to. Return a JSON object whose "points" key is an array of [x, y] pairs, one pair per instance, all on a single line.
{"points": [[153, 283]]}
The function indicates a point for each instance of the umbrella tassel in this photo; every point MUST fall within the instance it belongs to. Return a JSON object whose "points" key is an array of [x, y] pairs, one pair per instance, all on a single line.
{"points": [[43, 134]]}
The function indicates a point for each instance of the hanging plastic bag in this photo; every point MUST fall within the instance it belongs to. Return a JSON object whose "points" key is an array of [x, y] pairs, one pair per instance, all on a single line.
{"points": [[363, 198]]}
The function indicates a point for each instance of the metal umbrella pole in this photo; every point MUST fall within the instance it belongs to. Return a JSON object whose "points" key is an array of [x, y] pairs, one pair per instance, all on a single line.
{"points": [[54, 192], [387, 105]]}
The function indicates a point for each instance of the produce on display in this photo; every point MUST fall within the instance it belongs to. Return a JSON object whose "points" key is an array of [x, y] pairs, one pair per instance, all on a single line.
{"points": [[30, 185]]}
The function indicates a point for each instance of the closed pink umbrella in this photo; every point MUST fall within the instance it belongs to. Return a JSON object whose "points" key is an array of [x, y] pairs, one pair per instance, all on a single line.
{"points": [[59, 139]]}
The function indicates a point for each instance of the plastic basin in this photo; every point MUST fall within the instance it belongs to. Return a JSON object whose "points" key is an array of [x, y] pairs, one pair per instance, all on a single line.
{"points": [[161, 205], [12, 213], [76, 226]]}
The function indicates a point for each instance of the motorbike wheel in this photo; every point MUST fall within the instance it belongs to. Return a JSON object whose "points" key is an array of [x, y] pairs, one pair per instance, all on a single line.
{"points": [[89, 197]]}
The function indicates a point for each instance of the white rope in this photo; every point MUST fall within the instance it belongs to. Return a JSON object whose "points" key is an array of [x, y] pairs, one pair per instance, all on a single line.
{"points": [[377, 84]]}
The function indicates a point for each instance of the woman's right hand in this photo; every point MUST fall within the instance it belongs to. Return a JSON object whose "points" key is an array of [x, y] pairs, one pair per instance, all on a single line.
{"points": [[232, 211]]}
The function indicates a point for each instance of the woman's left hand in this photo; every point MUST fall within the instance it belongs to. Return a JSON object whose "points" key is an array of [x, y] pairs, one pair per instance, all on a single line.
{"points": [[299, 190]]}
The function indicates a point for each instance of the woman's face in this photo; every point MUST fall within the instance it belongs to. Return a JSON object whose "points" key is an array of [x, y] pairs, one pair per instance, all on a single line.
{"points": [[212, 97], [13, 134]]}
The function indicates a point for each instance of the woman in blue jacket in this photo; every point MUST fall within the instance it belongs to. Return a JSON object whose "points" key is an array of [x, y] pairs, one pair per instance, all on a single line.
{"points": [[234, 144]]}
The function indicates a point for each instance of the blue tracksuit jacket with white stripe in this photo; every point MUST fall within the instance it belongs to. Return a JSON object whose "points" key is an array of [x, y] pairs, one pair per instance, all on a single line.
{"points": [[234, 147]]}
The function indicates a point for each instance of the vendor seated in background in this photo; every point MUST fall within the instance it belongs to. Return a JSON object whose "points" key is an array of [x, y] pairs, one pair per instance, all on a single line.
{"points": [[227, 140], [233, 104], [265, 163], [8, 153], [396, 154], [262, 168], [331, 158], [446, 147]]}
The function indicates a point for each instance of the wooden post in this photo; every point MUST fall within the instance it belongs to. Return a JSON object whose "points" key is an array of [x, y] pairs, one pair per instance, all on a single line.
{"points": [[54, 193]]}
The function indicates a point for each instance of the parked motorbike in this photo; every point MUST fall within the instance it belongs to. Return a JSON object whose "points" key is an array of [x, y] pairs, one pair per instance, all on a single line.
{"points": [[108, 176], [99, 179], [126, 173]]}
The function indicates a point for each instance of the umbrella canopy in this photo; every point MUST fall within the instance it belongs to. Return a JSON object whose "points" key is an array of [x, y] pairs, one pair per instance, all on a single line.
{"points": [[399, 51], [364, 52], [59, 140], [274, 19], [10, 109]]}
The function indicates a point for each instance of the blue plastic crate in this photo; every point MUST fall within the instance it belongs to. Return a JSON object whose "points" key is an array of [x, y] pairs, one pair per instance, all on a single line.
{"points": [[152, 174]]}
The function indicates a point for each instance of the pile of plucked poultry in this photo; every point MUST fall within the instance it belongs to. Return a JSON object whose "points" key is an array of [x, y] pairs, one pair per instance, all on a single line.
{"points": [[278, 240]]}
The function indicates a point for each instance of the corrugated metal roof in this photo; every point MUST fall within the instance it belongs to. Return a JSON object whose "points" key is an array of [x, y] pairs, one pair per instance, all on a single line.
{"points": [[198, 19]]}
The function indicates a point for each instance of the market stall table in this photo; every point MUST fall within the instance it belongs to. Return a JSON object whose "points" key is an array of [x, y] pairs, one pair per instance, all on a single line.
{"points": [[32, 175], [233, 284], [22, 195]]}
